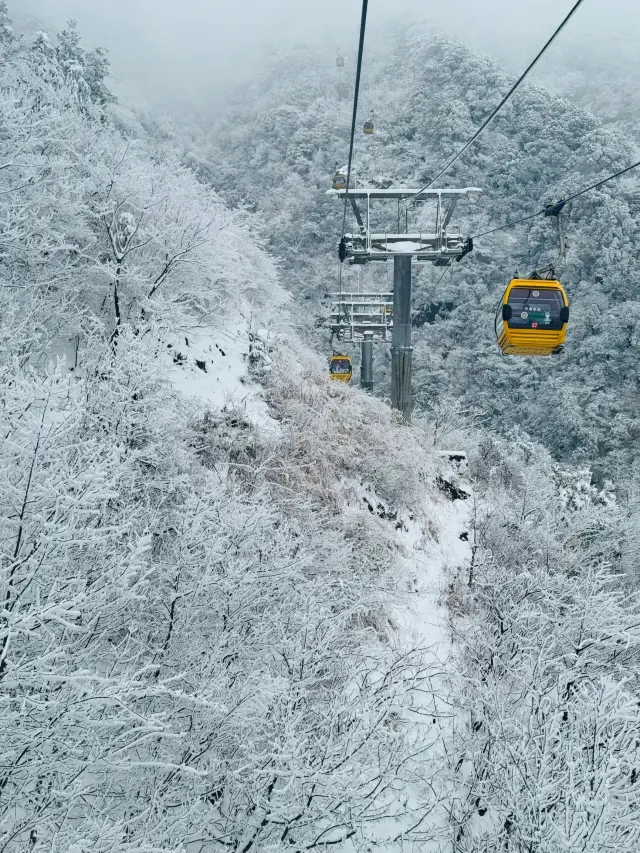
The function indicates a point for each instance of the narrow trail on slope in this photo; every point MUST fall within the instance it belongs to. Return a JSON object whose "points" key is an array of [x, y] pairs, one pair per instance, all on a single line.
{"points": [[435, 544]]}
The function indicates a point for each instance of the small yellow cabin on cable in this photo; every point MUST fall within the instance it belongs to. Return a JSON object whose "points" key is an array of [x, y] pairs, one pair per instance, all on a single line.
{"points": [[339, 181], [340, 367], [532, 318], [368, 127]]}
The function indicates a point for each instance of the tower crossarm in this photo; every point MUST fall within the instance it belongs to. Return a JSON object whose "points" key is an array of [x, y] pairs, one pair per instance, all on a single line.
{"points": [[401, 193], [438, 246]]}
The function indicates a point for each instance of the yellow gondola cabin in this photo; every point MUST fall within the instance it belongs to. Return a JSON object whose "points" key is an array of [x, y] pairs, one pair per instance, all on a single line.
{"points": [[340, 368], [339, 181], [532, 318]]}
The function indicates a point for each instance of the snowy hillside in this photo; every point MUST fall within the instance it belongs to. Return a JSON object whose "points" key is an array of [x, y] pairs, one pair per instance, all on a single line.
{"points": [[196, 641]]}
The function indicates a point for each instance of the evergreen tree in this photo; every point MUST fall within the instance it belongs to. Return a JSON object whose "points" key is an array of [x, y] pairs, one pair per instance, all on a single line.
{"points": [[6, 30], [97, 69], [72, 59], [44, 61]]}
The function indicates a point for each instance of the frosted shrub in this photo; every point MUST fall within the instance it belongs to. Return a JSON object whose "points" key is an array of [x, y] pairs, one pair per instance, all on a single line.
{"points": [[345, 432], [549, 666]]}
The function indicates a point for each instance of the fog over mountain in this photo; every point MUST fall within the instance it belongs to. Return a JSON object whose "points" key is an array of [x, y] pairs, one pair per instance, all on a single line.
{"points": [[191, 50]]}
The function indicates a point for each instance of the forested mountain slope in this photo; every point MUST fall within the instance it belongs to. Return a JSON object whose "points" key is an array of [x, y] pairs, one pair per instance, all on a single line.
{"points": [[244, 608], [195, 651], [276, 152]]}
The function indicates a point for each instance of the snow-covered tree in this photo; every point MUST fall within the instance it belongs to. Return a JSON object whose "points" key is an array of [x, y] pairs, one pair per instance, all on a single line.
{"points": [[6, 30], [97, 69], [547, 636], [72, 60]]}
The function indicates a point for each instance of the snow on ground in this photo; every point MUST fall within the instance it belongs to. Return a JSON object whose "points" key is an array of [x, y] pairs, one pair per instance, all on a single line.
{"points": [[433, 540], [211, 363], [429, 561], [432, 557]]}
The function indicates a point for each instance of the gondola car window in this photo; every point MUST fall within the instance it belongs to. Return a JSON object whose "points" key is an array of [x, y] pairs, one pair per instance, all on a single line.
{"points": [[535, 308], [340, 366]]}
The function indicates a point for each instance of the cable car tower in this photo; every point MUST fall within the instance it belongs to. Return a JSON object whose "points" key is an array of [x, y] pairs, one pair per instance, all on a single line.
{"points": [[368, 317]]}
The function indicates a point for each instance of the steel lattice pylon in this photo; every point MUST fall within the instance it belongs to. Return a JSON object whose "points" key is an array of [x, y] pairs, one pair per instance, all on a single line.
{"points": [[365, 317], [353, 314]]}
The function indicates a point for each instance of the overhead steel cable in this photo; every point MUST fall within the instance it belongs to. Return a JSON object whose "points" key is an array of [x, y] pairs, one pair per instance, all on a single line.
{"points": [[561, 203], [363, 24], [502, 102], [508, 225]]}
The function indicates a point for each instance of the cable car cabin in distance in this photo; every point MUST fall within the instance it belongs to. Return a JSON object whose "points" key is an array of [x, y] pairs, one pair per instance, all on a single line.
{"points": [[532, 318], [340, 368], [339, 181], [368, 127]]}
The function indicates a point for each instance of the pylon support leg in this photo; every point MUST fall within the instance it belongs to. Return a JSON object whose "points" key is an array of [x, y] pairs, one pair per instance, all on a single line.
{"points": [[401, 348], [366, 365]]}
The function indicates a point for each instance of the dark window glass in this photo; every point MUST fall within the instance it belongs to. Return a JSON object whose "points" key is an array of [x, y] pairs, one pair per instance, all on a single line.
{"points": [[535, 308], [341, 366]]}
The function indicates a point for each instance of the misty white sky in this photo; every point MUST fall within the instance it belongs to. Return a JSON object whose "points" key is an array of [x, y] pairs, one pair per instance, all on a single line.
{"points": [[177, 48]]}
